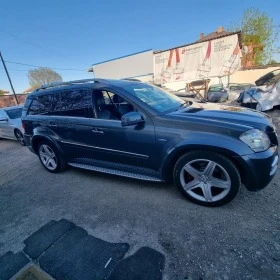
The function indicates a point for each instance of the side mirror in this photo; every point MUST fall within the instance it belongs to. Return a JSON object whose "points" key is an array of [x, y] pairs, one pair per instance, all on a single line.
{"points": [[132, 118], [3, 119]]}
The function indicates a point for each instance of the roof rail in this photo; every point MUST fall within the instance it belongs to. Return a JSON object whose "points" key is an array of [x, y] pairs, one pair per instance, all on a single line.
{"points": [[57, 84]]}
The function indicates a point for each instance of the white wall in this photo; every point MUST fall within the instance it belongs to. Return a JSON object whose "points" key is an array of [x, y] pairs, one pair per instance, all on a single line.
{"points": [[240, 76], [250, 76], [135, 65]]}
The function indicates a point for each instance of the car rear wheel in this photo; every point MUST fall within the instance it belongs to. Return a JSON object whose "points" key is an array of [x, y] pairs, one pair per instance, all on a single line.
{"points": [[50, 157], [207, 178], [19, 137]]}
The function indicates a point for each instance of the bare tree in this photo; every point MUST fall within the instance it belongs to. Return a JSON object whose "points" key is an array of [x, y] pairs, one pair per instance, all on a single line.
{"points": [[43, 75]]}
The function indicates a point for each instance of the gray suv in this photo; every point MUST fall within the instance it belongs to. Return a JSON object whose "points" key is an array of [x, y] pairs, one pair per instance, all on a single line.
{"points": [[133, 129]]}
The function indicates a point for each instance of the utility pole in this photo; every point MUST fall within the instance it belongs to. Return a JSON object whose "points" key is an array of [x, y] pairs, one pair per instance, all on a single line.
{"points": [[9, 78]]}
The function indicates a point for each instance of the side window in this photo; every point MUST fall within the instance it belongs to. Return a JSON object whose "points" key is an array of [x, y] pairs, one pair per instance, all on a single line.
{"points": [[3, 114], [109, 105], [75, 103], [43, 104]]}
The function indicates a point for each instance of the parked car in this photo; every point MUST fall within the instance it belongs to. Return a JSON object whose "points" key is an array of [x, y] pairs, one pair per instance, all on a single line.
{"points": [[221, 93], [234, 90], [267, 77], [217, 93], [136, 130], [265, 95], [10, 124]]}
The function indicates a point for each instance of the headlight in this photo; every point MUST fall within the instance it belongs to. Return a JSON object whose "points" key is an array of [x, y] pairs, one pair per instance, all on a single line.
{"points": [[256, 139]]}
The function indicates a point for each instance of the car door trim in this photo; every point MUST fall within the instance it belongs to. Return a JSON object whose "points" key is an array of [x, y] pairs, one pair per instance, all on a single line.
{"points": [[105, 149]]}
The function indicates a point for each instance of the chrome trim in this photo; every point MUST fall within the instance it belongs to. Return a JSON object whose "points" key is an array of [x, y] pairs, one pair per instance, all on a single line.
{"points": [[273, 171], [275, 161], [105, 149]]}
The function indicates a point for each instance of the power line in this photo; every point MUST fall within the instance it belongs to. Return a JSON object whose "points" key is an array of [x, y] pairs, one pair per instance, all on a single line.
{"points": [[66, 69], [30, 43]]}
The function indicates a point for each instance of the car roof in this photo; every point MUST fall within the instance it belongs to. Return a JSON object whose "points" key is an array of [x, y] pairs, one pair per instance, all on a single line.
{"points": [[90, 83], [12, 107]]}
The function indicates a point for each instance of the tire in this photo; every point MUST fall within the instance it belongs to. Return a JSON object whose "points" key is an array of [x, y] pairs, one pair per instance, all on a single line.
{"points": [[50, 157], [207, 178], [19, 137]]}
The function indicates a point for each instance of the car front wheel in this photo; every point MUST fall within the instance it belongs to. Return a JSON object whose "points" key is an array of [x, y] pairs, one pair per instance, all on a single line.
{"points": [[207, 178], [50, 157]]}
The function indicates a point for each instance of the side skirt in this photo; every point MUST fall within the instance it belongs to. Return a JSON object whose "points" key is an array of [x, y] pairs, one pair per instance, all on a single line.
{"points": [[124, 170]]}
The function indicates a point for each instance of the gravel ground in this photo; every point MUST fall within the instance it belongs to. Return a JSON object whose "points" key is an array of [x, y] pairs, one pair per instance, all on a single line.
{"points": [[240, 240]]}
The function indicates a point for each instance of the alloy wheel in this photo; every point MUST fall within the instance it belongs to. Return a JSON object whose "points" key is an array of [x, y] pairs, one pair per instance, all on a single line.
{"points": [[48, 157], [19, 137], [205, 180]]}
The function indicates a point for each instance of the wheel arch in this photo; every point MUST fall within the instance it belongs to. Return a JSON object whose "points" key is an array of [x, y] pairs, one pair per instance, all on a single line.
{"points": [[36, 139], [172, 158]]}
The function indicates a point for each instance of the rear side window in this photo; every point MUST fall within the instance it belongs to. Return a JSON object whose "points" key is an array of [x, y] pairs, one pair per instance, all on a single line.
{"points": [[43, 104], [3, 114], [75, 103], [14, 113]]}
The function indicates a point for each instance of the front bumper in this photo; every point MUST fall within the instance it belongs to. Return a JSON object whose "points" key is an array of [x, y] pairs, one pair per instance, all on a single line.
{"points": [[259, 168]]}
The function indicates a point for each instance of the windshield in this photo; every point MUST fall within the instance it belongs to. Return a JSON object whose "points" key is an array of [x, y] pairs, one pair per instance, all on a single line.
{"points": [[14, 113], [156, 98]]}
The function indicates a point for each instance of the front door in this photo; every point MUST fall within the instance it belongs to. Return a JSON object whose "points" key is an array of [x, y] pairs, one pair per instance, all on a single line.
{"points": [[110, 141]]}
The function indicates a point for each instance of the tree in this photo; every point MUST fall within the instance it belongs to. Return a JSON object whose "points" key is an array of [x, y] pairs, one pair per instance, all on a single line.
{"points": [[3, 91], [258, 32], [43, 75], [273, 61]]}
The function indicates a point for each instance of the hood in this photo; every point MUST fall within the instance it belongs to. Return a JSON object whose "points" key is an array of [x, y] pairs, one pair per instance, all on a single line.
{"points": [[226, 114], [268, 78]]}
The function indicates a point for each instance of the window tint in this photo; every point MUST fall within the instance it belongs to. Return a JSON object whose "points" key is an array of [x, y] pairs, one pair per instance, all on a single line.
{"points": [[156, 98], [43, 104], [75, 103], [109, 105], [14, 113], [3, 114]]}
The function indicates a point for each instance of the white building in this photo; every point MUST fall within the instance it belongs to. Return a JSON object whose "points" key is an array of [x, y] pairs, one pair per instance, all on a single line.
{"points": [[214, 57]]}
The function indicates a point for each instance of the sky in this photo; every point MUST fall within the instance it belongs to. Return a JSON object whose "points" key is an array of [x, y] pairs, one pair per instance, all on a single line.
{"points": [[74, 35]]}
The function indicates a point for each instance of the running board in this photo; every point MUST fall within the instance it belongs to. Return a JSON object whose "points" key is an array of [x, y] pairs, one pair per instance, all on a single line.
{"points": [[115, 172]]}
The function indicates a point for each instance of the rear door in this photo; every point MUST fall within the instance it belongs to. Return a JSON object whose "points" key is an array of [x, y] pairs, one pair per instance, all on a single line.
{"points": [[69, 121]]}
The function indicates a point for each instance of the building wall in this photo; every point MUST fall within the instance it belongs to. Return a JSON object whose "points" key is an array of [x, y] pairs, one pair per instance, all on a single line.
{"points": [[131, 66], [8, 100], [240, 76], [250, 75]]}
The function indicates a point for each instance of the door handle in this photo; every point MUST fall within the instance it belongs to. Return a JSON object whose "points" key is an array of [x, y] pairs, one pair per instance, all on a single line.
{"points": [[97, 131]]}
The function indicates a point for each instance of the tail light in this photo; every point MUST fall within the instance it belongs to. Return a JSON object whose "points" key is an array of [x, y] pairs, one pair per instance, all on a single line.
{"points": [[23, 126]]}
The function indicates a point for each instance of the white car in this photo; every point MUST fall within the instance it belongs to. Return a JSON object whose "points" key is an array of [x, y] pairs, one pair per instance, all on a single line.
{"points": [[10, 124], [265, 95]]}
